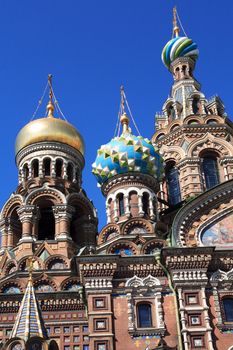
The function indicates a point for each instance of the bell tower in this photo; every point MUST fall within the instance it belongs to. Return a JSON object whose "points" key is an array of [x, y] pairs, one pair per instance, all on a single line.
{"points": [[49, 204], [193, 133]]}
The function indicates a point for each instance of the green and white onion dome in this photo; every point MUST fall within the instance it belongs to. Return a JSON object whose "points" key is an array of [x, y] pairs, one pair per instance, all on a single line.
{"points": [[127, 154], [179, 47]]}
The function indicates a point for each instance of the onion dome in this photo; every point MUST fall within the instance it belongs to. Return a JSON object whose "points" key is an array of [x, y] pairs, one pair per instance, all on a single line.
{"points": [[178, 46], [49, 129], [125, 154]]}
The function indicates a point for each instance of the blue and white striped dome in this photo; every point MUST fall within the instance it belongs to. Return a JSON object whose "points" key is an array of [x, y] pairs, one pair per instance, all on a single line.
{"points": [[179, 47]]}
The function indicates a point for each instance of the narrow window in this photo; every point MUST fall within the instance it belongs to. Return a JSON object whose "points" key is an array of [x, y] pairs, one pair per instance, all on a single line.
{"points": [[70, 172], [47, 166], [58, 168], [171, 112], [228, 309], [145, 203], [121, 207], [173, 185], [35, 168], [196, 105], [144, 316], [46, 225], [210, 170], [25, 171]]}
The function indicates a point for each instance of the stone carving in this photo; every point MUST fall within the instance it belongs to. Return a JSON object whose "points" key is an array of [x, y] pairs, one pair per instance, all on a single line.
{"points": [[148, 281]]}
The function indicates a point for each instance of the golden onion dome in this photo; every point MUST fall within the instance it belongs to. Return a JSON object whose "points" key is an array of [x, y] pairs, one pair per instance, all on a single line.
{"points": [[49, 129]]}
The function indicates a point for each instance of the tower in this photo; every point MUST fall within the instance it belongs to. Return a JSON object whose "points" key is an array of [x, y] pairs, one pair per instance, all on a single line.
{"points": [[128, 170], [50, 218], [193, 134]]}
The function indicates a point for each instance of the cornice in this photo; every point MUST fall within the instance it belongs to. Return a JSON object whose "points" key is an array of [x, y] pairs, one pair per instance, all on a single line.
{"points": [[50, 146], [132, 179], [193, 131]]}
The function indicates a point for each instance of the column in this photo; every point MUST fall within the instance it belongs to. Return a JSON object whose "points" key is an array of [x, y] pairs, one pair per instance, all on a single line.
{"points": [[26, 214], [35, 223], [10, 233], [126, 204], [140, 207], [65, 170], [151, 208], [41, 173], [63, 215], [130, 311], [202, 106], [108, 213], [207, 319], [53, 172], [3, 229], [116, 217], [182, 319]]}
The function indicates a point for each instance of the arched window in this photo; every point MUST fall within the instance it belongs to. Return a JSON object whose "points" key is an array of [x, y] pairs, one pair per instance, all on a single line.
{"points": [[193, 122], [210, 170], [16, 227], [173, 185], [25, 171], [184, 70], [160, 136], [171, 112], [145, 203], [17, 346], [47, 166], [46, 225], [58, 168], [196, 105], [35, 168], [176, 126], [212, 122], [121, 207], [144, 315], [36, 345], [70, 172], [228, 309]]}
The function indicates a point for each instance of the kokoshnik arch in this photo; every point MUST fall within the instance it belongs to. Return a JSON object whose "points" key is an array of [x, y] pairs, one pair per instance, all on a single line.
{"points": [[159, 274]]}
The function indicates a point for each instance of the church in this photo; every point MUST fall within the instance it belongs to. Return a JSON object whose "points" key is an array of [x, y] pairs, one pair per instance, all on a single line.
{"points": [[159, 275]]}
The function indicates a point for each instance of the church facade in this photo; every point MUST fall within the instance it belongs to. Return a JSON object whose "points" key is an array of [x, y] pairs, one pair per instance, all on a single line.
{"points": [[159, 275]]}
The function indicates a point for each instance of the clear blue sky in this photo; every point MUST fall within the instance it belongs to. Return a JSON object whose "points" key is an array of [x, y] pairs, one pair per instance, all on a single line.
{"points": [[92, 47]]}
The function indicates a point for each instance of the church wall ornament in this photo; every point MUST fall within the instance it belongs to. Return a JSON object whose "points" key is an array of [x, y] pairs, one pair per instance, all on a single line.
{"points": [[194, 213]]}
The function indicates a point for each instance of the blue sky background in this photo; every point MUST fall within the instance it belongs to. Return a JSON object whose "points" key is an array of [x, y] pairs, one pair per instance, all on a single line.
{"points": [[92, 47]]}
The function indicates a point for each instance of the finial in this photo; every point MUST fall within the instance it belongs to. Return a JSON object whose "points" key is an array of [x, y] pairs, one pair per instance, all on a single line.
{"points": [[176, 29], [124, 118], [50, 106], [122, 100], [30, 262]]}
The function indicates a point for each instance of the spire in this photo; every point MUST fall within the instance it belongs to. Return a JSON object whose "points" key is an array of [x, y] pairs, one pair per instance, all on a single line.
{"points": [[176, 29], [124, 118], [50, 105], [29, 322]]}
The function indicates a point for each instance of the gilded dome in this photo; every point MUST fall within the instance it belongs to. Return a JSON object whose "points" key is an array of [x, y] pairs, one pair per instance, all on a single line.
{"points": [[49, 129]]}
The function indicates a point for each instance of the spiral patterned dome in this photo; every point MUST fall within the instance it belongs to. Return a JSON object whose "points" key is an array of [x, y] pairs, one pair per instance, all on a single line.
{"points": [[179, 47], [124, 154]]}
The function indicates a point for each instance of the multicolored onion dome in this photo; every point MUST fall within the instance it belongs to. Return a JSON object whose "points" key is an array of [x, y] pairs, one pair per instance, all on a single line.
{"points": [[127, 153], [179, 47]]}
